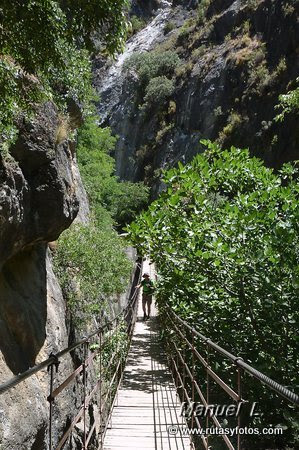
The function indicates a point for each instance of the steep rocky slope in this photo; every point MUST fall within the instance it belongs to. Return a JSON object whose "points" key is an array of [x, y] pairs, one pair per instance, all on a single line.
{"points": [[40, 195], [236, 57]]}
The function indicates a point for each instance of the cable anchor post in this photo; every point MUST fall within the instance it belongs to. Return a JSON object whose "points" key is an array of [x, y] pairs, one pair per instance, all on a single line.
{"points": [[85, 368], [51, 367]]}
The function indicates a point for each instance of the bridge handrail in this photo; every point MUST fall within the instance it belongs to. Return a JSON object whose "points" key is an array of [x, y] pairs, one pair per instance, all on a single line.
{"points": [[106, 398], [4, 387], [283, 391]]}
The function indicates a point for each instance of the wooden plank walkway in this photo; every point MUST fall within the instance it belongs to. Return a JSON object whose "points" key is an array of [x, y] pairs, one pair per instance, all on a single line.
{"points": [[147, 404]]}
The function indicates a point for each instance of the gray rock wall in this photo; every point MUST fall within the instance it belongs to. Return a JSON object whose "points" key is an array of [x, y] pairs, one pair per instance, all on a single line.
{"points": [[224, 81], [32, 328], [37, 186], [41, 194]]}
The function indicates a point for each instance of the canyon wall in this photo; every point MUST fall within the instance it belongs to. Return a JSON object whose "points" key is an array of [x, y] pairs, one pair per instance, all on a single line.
{"points": [[236, 58]]}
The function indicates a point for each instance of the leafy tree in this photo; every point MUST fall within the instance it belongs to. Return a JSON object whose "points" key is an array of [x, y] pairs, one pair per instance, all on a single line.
{"points": [[32, 32], [288, 103], [122, 199], [45, 48], [224, 237]]}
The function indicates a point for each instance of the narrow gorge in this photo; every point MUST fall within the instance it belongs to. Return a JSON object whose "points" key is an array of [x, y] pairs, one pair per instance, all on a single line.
{"points": [[182, 71]]}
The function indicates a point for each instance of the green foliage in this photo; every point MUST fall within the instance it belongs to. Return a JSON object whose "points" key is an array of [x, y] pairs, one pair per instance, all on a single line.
{"points": [[91, 265], [90, 259], [198, 52], [114, 351], [233, 122], [158, 91], [288, 103], [137, 24], [183, 70], [202, 10], [95, 163], [186, 30], [155, 70], [15, 88], [224, 237], [153, 64], [72, 81], [32, 33], [45, 49], [123, 200], [117, 344], [169, 26]]}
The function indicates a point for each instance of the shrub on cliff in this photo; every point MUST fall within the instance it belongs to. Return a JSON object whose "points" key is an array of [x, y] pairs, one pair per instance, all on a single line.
{"points": [[288, 103], [149, 65], [92, 266], [136, 24], [158, 91], [122, 199]]}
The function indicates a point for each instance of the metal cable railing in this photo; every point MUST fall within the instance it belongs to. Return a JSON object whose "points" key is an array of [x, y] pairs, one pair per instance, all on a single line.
{"points": [[184, 357], [114, 368]]}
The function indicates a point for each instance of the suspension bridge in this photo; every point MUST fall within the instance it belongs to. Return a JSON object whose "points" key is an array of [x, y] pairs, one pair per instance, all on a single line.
{"points": [[139, 397]]}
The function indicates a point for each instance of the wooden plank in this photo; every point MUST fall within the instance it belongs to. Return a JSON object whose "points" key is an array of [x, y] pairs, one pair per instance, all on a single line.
{"points": [[147, 403]]}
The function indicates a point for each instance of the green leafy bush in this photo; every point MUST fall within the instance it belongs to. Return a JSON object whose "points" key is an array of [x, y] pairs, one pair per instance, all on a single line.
{"points": [[123, 200], [153, 64], [168, 27], [92, 266], [202, 10], [224, 237], [155, 70], [137, 24], [35, 41], [234, 120], [158, 91], [15, 89], [288, 103]]}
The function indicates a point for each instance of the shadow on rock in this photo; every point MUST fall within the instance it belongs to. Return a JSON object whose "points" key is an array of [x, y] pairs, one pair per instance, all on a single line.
{"points": [[23, 308]]}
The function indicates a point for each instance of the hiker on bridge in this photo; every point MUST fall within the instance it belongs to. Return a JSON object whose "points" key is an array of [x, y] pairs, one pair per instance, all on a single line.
{"points": [[147, 294]]}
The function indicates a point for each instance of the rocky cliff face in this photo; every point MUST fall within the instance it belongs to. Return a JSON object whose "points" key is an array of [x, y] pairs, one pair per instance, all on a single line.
{"points": [[32, 327], [144, 9], [38, 201], [38, 188], [40, 192], [236, 57]]}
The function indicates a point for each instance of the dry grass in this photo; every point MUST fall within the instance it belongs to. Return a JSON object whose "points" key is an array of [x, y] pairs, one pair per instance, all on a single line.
{"points": [[63, 130], [243, 48]]}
